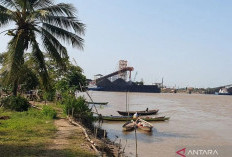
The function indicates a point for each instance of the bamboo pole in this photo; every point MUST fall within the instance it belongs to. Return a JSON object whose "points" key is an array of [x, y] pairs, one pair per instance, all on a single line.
{"points": [[136, 145], [89, 97]]}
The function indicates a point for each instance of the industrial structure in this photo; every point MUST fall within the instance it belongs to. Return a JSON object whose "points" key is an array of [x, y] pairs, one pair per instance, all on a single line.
{"points": [[120, 80]]}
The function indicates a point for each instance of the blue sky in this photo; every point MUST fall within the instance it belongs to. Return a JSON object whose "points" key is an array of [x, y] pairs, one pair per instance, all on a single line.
{"points": [[188, 42]]}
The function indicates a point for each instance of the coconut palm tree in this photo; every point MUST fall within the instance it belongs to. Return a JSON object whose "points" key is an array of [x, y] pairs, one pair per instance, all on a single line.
{"points": [[40, 26]]}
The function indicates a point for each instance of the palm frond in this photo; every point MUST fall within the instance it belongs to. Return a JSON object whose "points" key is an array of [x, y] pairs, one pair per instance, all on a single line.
{"points": [[42, 3], [52, 51], [21, 4], [8, 3], [59, 47], [65, 23], [66, 36], [61, 9], [38, 57], [5, 19], [15, 59], [4, 9], [5, 15]]}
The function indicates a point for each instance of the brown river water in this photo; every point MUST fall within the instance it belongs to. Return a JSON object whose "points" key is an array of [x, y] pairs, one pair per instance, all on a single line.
{"points": [[196, 120]]}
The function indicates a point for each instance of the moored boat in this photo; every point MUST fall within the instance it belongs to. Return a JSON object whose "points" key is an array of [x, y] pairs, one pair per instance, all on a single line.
{"points": [[144, 125], [98, 103], [126, 118], [140, 113], [128, 126]]}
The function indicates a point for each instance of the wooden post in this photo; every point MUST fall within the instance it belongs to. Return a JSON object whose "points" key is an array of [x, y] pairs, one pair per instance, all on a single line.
{"points": [[119, 148], [128, 106], [72, 112], [104, 134], [96, 132], [126, 103], [136, 146], [89, 97]]}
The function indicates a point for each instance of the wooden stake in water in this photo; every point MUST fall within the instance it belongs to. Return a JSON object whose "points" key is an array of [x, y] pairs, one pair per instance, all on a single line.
{"points": [[119, 148], [136, 146], [127, 105], [89, 97]]}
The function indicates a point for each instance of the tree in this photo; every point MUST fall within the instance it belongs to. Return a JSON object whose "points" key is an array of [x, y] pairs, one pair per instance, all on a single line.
{"points": [[38, 18], [72, 78]]}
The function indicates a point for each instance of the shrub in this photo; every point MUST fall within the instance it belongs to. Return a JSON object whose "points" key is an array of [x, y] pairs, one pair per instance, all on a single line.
{"points": [[81, 110], [49, 95], [49, 111], [16, 103]]}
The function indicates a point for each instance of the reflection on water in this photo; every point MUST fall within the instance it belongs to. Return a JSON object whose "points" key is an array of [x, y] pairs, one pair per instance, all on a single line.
{"points": [[203, 120]]}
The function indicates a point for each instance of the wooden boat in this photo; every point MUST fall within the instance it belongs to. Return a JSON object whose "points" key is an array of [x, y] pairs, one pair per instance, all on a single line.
{"points": [[144, 125], [98, 103], [128, 126], [140, 113], [126, 118]]}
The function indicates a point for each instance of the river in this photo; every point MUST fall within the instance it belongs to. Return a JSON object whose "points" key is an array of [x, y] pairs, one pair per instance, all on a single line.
{"points": [[196, 120]]}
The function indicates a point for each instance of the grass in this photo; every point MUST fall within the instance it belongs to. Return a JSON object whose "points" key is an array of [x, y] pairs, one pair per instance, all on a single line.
{"points": [[30, 133], [57, 106]]}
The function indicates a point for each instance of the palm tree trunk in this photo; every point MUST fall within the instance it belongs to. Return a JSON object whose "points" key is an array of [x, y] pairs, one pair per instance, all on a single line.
{"points": [[15, 87]]}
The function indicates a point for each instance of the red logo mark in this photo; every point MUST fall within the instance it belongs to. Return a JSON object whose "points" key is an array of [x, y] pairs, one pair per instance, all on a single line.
{"points": [[181, 152]]}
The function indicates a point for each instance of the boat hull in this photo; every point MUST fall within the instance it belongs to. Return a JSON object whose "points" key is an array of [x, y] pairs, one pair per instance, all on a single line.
{"points": [[98, 103], [144, 125], [126, 118], [128, 126], [140, 113], [145, 128]]}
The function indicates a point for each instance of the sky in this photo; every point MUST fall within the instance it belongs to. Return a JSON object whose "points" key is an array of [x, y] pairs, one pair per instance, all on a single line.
{"points": [[187, 42]]}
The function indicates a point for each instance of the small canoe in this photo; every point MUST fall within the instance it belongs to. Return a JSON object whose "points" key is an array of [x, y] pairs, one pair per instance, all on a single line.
{"points": [[144, 125], [126, 118], [128, 126], [140, 113], [98, 103]]}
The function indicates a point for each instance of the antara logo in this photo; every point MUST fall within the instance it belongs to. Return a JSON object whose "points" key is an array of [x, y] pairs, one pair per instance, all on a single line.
{"points": [[181, 152], [197, 152]]}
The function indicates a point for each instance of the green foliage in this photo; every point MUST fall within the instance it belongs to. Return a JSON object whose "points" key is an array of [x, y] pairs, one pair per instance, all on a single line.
{"points": [[79, 107], [70, 79], [62, 86], [75, 77], [16, 103], [49, 95], [49, 111], [29, 80], [33, 19]]}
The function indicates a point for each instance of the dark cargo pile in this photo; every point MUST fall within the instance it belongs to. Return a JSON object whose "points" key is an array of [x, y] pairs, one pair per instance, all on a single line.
{"points": [[120, 82], [120, 85]]}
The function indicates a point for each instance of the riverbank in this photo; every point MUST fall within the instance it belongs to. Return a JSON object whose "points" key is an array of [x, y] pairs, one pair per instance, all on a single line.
{"points": [[33, 134], [100, 144]]}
